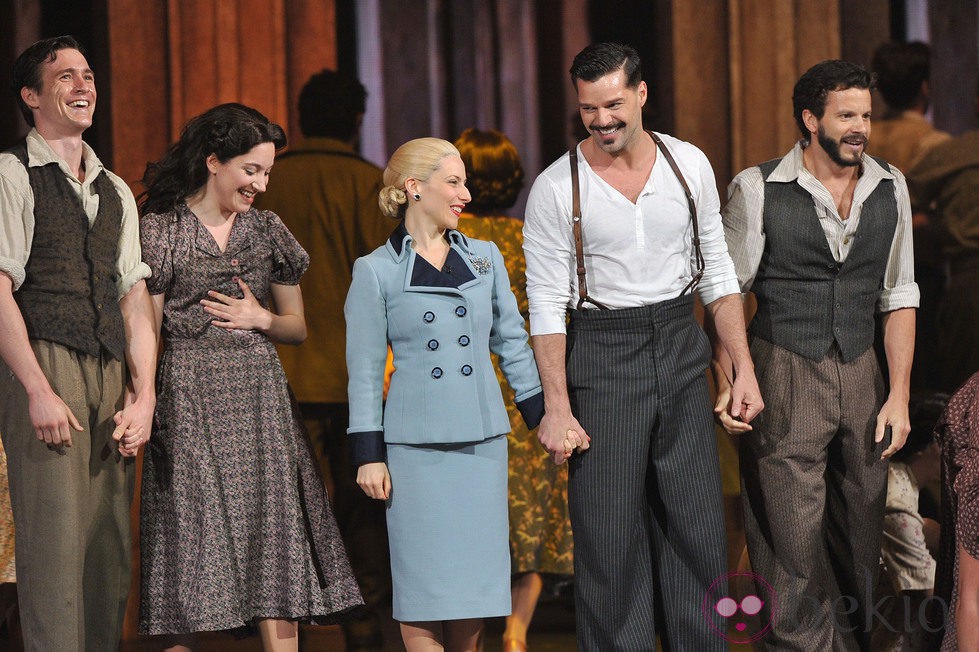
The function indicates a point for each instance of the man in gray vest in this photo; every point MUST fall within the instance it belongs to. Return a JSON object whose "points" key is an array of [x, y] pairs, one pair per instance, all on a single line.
{"points": [[78, 348], [822, 237]]}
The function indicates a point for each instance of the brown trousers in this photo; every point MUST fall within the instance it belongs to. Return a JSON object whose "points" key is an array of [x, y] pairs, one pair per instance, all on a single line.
{"points": [[71, 508], [813, 490]]}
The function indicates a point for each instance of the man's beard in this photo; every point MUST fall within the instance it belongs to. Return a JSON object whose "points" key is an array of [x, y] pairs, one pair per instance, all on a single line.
{"points": [[832, 147]]}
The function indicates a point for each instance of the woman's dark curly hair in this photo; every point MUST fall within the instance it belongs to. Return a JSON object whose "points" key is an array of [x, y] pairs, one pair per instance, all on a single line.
{"points": [[227, 131], [494, 169]]}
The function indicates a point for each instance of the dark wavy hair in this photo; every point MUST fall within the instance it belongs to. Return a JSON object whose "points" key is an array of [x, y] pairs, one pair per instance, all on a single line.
{"points": [[493, 165], [814, 86], [599, 59], [329, 105], [26, 72], [901, 69], [227, 131]]}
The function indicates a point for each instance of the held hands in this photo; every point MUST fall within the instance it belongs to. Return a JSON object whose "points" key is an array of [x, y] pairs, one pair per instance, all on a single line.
{"points": [[561, 436], [722, 414], [134, 422], [375, 480], [737, 405], [893, 414], [245, 313], [52, 420]]}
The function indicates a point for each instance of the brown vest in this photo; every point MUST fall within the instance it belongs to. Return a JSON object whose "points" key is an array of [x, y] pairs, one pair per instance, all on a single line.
{"points": [[69, 295]]}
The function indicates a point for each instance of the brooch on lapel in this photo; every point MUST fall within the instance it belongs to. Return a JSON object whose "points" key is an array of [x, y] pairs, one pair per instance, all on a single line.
{"points": [[482, 265]]}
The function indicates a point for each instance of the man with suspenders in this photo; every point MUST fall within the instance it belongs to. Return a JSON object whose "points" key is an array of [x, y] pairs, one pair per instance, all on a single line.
{"points": [[621, 231]]}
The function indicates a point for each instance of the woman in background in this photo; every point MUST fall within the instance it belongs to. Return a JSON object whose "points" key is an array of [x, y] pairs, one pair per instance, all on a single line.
{"points": [[540, 532], [437, 450], [236, 531]]}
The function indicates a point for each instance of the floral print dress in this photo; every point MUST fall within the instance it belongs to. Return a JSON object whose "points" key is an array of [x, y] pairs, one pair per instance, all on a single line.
{"points": [[235, 523]]}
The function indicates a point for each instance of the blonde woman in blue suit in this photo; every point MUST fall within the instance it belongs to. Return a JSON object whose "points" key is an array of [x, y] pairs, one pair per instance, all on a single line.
{"points": [[437, 451]]}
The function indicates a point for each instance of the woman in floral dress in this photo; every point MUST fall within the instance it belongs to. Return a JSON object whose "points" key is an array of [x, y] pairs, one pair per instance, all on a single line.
{"points": [[540, 532], [236, 531]]}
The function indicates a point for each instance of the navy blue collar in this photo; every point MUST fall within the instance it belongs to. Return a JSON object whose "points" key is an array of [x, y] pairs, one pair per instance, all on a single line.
{"points": [[400, 235]]}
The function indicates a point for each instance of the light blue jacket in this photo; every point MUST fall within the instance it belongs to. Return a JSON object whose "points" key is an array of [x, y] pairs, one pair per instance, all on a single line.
{"points": [[441, 325]]}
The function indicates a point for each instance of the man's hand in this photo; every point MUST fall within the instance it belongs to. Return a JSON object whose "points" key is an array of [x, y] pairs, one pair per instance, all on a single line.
{"points": [[52, 419], [561, 435], [746, 401], [893, 414], [375, 480]]}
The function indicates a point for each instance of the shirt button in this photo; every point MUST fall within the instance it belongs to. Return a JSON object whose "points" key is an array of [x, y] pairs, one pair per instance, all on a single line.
{"points": [[846, 241], [460, 311], [99, 306], [433, 344], [463, 340], [466, 370], [234, 261], [437, 373], [429, 317]]}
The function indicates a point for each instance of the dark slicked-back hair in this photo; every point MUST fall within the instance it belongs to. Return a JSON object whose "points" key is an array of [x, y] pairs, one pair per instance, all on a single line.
{"points": [[599, 59], [495, 173], [901, 68], [26, 72], [816, 83], [227, 131], [329, 105]]}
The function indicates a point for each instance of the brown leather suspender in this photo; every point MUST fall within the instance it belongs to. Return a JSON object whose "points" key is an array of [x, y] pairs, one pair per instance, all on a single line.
{"points": [[576, 225], [579, 254]]}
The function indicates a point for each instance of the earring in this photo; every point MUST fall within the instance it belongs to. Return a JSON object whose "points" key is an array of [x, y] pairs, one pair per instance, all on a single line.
{"points": [[417, 197]]}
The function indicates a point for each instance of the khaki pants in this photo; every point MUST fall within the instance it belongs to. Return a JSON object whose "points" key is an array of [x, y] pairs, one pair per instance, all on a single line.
{"points": [[71, 508]]}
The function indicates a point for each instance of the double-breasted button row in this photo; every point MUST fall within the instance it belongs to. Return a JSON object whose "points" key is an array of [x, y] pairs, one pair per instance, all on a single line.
{"points": [[429, 316], [465, 370], [433, 344]]}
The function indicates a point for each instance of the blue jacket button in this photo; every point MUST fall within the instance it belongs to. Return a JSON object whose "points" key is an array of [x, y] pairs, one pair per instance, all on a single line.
{"points": [[463, 340], [460, 311], [433, 344], [429, 317], [466, 370], [437, 373]]}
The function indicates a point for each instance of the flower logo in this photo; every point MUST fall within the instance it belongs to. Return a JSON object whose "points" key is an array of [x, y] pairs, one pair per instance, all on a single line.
{"points": [[740, 606]]}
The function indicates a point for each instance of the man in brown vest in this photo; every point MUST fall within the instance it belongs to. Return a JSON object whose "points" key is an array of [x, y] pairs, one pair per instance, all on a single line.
{"points": [[822, 237], [78, 349]]}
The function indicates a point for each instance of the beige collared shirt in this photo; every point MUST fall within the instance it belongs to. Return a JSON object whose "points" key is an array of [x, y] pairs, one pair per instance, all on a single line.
{"points": [[745, 230], [17, 211]]}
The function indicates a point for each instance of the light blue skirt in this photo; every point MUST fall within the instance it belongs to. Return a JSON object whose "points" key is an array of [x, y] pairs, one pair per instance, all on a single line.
{"points": [[448, 530]]}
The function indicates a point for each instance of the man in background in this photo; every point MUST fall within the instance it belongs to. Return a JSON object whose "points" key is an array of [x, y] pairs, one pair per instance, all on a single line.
{"points": [[902, 137], [326, 194], [948, 177]]}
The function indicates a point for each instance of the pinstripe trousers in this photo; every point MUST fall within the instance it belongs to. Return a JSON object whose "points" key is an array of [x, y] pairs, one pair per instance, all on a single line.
{"points": [[813, 490], [645, 498]]}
